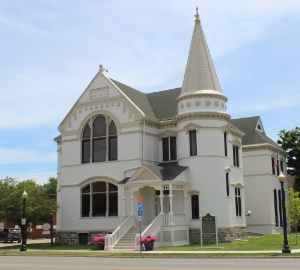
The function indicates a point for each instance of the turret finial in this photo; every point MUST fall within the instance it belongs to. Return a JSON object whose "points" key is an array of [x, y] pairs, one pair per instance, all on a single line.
{"points": [[197, 15]]}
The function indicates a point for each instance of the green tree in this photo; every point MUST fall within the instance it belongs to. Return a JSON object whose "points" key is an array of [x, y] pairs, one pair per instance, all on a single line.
{"points": [[39, 206], [290, 142], [51, 186], [293, 209]]}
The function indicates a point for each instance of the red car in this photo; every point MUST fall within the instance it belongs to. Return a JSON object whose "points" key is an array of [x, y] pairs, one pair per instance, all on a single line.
{"points": [[11, 234]]}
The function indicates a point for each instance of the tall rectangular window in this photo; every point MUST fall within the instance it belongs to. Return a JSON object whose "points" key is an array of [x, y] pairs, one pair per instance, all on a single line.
{"points": [[236, 161], [173, 148], [193, 143], [225, 144], [238, 202], [273, 166], [169, 149], [195, 206], [227, 184], [276, 207]]}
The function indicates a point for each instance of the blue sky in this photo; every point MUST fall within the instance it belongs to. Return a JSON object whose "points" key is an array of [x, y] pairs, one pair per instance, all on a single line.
{"points": [[51, 49]]}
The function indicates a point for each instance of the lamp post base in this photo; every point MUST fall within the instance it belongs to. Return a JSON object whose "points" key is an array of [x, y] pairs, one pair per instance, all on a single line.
{"points": [[286, 249], [23, 248]]}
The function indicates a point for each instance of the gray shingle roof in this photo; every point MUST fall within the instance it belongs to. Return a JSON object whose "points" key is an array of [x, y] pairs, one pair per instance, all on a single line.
{"points": [[154, 104], [167, 171], [162, 105], [252, 135], [138, 98]]}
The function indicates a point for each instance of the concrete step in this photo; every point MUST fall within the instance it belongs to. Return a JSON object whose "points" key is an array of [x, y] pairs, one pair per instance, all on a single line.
{"points": [[128, 240]]}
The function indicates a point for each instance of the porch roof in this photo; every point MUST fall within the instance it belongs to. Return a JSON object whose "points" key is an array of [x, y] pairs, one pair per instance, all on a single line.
{"points": [[164, 171]]}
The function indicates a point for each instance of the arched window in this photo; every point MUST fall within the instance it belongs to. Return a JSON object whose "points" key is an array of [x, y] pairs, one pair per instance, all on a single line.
{"points": [[99, 143], [99, 199]]}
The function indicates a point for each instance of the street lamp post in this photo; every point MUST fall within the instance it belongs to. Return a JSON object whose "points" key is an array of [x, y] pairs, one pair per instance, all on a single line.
{"points": [[285, 248], [23, 223]]}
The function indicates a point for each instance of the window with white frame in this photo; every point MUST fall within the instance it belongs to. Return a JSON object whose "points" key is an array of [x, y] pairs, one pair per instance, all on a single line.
{"points": [[195, 206], [236, 160], [238, 202], [99, 140], [193, 142], [227, 185], [169, 148], [99, 199]]}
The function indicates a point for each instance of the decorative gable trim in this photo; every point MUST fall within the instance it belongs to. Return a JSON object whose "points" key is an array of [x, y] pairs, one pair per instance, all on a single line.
{"points": [[135, 176]]}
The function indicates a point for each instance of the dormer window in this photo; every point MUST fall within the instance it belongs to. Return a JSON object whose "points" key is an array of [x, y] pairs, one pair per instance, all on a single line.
{"points": [[258, 127], [99, 140]]}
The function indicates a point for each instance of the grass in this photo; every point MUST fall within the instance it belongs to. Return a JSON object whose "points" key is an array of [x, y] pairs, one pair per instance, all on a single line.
{"points": [[263, 243]]}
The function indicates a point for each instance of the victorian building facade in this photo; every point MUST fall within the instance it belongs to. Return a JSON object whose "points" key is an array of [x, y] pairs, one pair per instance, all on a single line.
{"points": [[178, 149]]}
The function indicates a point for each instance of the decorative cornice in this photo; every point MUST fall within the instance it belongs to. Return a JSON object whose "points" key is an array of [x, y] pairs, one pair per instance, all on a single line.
{"points": [[264, 146], [202, 115], [202, 95], [235, 132], [188, 116]]}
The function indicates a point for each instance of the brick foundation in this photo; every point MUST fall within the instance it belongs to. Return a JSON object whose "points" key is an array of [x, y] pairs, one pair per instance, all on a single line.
{"points": [[72, 238]]}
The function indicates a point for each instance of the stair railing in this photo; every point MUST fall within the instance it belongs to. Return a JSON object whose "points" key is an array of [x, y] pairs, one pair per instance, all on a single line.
{"points": [[112, 239], [153, 229]]}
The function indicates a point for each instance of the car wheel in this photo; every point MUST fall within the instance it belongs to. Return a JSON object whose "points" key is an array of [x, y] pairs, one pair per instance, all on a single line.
{"points": [[19, 241], [11, 241]]}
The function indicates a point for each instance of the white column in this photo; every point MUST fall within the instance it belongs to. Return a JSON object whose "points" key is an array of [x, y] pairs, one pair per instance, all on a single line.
{"points": [[124, 206], [131, 198], [171, 219], [185, 196]]}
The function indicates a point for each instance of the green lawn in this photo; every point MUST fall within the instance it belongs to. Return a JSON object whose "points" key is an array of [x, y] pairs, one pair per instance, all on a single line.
{"points": [[265, 242], [262, 243]]}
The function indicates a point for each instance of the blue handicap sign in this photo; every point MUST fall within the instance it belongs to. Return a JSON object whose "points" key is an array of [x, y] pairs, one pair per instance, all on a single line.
{"points": [[140, 206], [140, 213]]}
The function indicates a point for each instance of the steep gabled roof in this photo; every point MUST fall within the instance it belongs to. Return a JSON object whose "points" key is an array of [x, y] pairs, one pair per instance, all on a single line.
{"points": [[158, 105], [164, 103], [252, 135], [138, 98]]}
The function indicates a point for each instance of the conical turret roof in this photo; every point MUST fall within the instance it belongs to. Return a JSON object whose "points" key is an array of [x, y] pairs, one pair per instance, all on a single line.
{"points": [[200, 73]]}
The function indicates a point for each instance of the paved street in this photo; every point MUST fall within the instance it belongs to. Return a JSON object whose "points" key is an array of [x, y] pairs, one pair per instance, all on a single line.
{"points": [[38, 263]]}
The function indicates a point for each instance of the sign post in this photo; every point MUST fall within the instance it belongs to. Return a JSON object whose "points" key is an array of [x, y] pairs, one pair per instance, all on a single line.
{"points": [[140, 214]]}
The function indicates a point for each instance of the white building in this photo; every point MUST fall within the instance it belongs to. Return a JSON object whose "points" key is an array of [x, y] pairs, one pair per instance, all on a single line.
{"points": [[178, 149]]}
